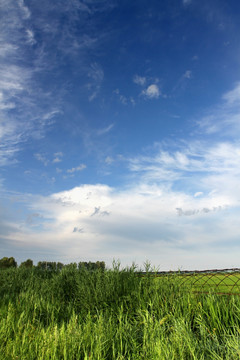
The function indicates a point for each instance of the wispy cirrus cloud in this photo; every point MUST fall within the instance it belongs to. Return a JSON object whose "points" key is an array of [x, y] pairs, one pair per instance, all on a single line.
{"points": [[124, 100], [233, 96], [205, 171], [182, 82], [28, 103], [195, 157], [96, 75], [224, 118], [21, 115], [105, 130], [30, 34], [42, 158], [46, 159]]}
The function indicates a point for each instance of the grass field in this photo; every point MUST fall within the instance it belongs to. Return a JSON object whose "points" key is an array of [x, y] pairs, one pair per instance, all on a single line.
{"points": [[114, 314], [219, 282]]}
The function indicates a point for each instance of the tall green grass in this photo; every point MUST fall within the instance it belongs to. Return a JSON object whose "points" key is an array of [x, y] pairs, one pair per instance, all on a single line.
{"points": [[115, 314]]}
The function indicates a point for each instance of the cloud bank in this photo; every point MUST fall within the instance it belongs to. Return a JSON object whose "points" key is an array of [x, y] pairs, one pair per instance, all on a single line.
{"points": [[151, 218]]}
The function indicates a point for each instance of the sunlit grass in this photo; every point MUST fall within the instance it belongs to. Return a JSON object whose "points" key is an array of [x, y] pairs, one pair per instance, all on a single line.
{"points": [[112, 315], [220, 283]]}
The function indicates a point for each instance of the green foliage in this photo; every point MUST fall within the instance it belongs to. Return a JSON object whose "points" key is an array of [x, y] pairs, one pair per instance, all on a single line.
{"points": [[53, 266], [217, 282], [50, 265], [92, 265], [6, 263], [27, 264], [112, 315]]}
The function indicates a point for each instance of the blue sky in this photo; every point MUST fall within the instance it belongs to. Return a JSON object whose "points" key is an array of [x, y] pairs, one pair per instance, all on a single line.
{"points": [[119, 132]]}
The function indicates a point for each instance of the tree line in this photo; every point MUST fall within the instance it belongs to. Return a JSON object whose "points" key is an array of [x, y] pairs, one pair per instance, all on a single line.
{"points": [[10, 262]]}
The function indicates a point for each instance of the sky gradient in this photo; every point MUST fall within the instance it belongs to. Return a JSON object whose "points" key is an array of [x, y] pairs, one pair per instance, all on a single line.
{"points": [[120, 132]]}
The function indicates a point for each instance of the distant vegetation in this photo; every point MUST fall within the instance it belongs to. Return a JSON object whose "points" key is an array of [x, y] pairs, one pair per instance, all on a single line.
{"points": [[76, 313], [6, 263]]}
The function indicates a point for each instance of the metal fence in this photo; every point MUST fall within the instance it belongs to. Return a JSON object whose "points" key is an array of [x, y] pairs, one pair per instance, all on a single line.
{"points": [[218, 281]]}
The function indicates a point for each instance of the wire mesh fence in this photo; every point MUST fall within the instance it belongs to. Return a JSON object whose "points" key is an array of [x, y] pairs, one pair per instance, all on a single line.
{"points": [[218, 281]]}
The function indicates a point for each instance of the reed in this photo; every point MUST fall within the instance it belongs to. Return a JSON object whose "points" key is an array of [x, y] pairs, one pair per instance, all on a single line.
{"points": [[113, 315]]}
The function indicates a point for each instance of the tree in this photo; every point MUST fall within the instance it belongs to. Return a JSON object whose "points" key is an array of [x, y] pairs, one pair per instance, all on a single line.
{"points": [[27, 264], [6, 263], [92, 265], [100, 265], [42, 265], [50, 265], [60, 266]]}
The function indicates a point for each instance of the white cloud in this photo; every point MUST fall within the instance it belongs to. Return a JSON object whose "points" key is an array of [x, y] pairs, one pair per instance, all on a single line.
{"points": [[59, 153], [182, 81], [57, 157], [96, 72], [105, 130], [233, 96], [109, 160], [144, 222], [152, 92], [51, 114], [224, 118], [13, 79], [93, 95], [150, 217], [77, 168], [143, 217], [195, 157], [139, 80], [25, 10], [198, 193], [57, 160], [97, 75], [132, 101], [187, 74], [123, 99], [42, 158], [30, 37], [18, 87]]}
